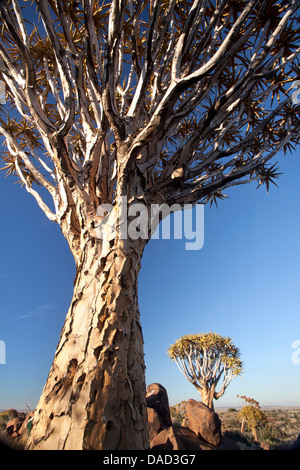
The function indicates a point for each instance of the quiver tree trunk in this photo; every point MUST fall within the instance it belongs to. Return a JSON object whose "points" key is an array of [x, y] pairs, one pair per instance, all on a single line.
{"points": [[94, 397], [207, 392], [207, 396]]}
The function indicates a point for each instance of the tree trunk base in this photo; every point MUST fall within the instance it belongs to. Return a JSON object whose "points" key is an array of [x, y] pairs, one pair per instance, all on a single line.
{"points": [[95, 395]]}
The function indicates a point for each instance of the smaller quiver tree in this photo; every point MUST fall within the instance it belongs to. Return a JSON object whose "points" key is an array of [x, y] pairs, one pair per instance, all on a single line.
{"points": [[206, 360], [252, 415], [178, 413]]}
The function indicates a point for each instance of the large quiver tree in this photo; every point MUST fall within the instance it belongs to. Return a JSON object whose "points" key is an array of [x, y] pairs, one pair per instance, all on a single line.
{"points": [[158, 102]]}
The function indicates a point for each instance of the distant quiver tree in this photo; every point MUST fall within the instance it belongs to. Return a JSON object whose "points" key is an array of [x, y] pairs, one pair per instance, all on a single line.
{"points": [[252, 415], [133, 103], [207, 360]]}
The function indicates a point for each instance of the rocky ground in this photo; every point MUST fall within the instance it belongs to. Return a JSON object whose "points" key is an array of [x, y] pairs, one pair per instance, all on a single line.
{"points": [[189, 425], [281, 430]]}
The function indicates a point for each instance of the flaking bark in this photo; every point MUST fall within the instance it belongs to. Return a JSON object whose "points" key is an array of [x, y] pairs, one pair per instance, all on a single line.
{"points": [[94, 397]]}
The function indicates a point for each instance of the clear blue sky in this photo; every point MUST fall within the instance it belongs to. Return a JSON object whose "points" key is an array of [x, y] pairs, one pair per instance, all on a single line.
{"points": [[244, 283]]}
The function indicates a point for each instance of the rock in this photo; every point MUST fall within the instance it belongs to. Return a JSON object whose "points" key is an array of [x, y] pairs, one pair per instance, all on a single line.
{"points": [[183, 438], [178, 438], [154, 423], [157, 398], [296, 445], [158, 409], [265, 446], [167, 439], [9, 444], [228, 444], [13, 426], [204, 422], [201, 431], [191, 441]]}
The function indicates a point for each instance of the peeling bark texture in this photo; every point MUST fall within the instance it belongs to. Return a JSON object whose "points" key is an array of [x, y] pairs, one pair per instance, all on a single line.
{"points": [[94, 397]]}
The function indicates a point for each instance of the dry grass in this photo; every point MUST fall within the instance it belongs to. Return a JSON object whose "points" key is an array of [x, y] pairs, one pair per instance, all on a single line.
{"points": [[281, 429]]}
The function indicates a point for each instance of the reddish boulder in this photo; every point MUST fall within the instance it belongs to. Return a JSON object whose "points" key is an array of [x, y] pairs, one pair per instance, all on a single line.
{"points": [[178, 438], [167, 439], [204, 422], [154, 423], [191, 441], [157, 398], [158, 409], [265, 446], [203, 431], [13, 426]]}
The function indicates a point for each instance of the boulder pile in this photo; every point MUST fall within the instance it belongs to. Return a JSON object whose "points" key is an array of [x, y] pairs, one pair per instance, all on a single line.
{"points": [[203, 431], [19, 426]]}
